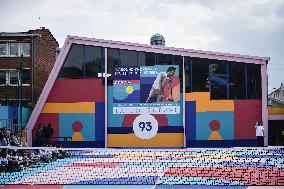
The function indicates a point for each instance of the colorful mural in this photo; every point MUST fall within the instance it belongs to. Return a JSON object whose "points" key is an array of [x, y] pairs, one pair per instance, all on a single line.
{"points": [[220, 120], [144, 108], [12, 113], [134, 123], [75, 110]]}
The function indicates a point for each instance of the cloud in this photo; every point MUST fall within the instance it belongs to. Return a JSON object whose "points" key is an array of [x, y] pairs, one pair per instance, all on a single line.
{"points": [[252, 27]]}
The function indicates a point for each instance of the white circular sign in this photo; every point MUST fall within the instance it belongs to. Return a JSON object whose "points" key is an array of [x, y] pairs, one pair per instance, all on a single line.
{"points": [[145, 126]]}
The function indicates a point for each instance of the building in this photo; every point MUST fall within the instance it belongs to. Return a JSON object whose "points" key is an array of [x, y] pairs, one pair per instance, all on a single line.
{"points": [[276, 116], [39, 54], [152, 96]]}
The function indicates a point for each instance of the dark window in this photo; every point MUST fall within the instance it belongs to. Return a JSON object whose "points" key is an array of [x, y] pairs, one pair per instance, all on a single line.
{"points": [[73, 64], [253, 81], [218, 79], [150, 59], [14, 49], [93, 61], [141, 58], [164, 59], [13, 77], [128, 58], [112, 59], [3, 49], [237, 84], [3, 78], [200, 75], [26, 76], [25, 49], [177, 60], [187, 71]]}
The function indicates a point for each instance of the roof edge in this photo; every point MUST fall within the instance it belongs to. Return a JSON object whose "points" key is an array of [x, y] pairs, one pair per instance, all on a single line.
{"points": [[266, 59]]}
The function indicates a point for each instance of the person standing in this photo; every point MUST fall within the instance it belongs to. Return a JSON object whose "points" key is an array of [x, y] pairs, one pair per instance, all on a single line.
{"points": [[163, 79], [259, 134]]}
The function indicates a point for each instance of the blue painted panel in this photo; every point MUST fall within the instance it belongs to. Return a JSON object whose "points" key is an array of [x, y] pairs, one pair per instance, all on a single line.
{"points": [[226, 120], [100, 121], [25, 115], [4, 112], [127, 130], [87, 120], [12, 112], [114, 120], [175, 119], [190, 120]]}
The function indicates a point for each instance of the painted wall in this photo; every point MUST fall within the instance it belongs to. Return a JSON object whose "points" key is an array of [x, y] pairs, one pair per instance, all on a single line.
{"points": [[75, 108], [220, 122], [13, 113], [135, 122]]}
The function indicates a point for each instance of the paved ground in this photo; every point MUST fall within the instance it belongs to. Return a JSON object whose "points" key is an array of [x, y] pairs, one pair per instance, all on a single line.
{"points": [[164, 168]]}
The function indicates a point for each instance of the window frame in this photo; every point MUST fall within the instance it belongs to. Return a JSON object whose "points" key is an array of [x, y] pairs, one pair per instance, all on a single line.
{"points": [[6, 75], [26, 84], [9, 77], [19, 51], [7, 49], [226, 70]]}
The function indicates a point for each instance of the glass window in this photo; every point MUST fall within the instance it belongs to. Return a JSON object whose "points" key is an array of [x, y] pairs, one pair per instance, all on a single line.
{"points": [[25, 49], [141, 58], [112, 59], [218, 79], [73, 64], [128, 58], [13, 77], [3, 78], [164, 59], [150, 59], [3, 49], [200, 75], [253, 81], [14, 49], [177, 60], [237, 84], [218, 91], [187, 67], [26, 77], [93, 61]]}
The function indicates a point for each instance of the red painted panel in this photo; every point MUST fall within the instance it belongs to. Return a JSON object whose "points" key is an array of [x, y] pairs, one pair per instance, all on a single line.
{"points": [[45, 119], [248, 176], [129, 118], [246, 114], [77, 90]]}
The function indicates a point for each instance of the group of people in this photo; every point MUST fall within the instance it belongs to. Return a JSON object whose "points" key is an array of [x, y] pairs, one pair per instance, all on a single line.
{"points": [[8, 138], [43, 135], [18, 159]]}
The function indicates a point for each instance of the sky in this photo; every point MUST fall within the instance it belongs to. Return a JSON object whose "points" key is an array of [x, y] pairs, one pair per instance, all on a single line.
{"points": [[247, 27]]}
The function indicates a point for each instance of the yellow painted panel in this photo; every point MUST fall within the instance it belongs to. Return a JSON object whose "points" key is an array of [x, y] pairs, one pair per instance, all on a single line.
{"points": [[275, 111], [204, 104], [160, 140], [78, 107]]}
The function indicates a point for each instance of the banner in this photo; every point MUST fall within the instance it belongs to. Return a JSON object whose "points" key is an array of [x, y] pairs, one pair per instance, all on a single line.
{"points": [[146, 90]]}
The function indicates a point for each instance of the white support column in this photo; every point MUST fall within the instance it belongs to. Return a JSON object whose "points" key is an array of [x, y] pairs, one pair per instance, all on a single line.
{"points": [[106, 99], [264, 101], [183, 101]]}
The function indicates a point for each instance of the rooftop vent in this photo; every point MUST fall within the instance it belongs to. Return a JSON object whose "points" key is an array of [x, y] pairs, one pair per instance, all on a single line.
{"points": [[157, 39]]}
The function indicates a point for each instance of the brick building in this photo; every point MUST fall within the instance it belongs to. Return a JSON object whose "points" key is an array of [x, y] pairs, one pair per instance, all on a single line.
{"points": [[39, 54]]}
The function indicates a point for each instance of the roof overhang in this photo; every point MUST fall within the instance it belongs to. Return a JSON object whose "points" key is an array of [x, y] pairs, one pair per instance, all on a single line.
{"points": [[168, 50]]}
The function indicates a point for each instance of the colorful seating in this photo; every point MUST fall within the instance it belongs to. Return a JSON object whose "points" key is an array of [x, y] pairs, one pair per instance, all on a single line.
{"points": [[229, 166]]}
